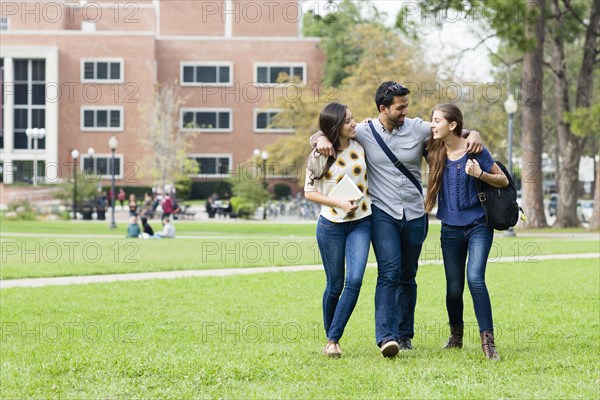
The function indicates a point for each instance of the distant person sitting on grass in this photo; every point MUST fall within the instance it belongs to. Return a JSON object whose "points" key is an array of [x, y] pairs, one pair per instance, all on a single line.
{"points": [[146, 227], [133, 230], [168, 231]]}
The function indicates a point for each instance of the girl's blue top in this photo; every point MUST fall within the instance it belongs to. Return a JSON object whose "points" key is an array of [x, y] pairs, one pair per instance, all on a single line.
{"points": [[458, 204]]}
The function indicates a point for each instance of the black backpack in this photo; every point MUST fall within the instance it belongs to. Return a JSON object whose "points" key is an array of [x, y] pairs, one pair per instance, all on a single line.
{"points": [[500, 204]]}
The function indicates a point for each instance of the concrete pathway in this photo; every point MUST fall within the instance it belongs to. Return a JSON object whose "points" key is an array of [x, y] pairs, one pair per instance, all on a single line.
{"points": [[79, 280]]}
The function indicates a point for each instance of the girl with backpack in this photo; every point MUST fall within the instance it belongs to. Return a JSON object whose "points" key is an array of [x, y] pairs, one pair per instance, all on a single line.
{"points": [[451, 184]]}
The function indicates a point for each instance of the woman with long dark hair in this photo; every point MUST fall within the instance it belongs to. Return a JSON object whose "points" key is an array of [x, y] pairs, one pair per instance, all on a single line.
{"points": [[344, 226], [464, 231]]}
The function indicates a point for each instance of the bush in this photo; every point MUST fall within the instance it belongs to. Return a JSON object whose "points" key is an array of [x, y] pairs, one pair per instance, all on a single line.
{"points": [[251, 195], [20, 210], [242, 208], [87, 190], [183, 187]]}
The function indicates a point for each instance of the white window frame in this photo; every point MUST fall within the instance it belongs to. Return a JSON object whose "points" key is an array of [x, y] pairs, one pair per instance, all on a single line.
{"points": [[29, 107], [279, 64], [108, 156], [206, 64], [193, 156], [102, 60], [268, 130], [83, 109], [211, 130]]}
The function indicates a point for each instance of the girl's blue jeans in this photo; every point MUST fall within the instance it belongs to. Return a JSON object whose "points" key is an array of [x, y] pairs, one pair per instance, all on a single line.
{"points": [[344, 249]]}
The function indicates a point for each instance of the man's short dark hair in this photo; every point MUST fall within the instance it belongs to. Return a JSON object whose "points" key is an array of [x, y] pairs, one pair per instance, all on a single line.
{"points": [[387, 91]]}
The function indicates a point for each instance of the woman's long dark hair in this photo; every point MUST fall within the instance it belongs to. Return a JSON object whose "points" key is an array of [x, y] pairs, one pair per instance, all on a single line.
{"points": [[437, 153], [331, 122]]}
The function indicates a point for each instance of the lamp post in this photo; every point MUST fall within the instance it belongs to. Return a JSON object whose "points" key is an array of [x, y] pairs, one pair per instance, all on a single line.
{"points": [[256, 153], [91, 153], [510, 106], [75, 156], [35, 134], [264, 156], [112, 143]]}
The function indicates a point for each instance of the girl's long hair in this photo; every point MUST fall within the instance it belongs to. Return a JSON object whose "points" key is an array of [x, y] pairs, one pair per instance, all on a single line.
{"points": [[331, 122], [437, 153]]}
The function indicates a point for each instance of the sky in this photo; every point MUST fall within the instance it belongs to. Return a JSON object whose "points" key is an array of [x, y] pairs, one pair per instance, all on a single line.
{"points": [[454, 37]]}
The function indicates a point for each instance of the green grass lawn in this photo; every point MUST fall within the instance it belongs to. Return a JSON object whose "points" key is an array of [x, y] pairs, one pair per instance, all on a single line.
{"points": [[183, 227], [207, 245], [260, 336]]}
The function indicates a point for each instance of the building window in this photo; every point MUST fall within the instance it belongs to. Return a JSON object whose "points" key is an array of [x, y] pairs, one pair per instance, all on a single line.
{"points": [[102, 71], [213, 164], [206, 120], [263, 121], [100, 166], [22, 171], [206, 74], [102, 119], [272, 73], [3, 23], [29, 101]]}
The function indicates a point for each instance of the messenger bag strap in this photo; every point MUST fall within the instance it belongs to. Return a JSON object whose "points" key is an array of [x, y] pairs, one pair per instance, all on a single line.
{"points": [[397, 163]]}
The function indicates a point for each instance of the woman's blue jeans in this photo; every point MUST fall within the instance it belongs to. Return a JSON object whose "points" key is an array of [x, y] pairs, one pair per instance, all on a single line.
{"points": [[344, 250], [476, 241]]}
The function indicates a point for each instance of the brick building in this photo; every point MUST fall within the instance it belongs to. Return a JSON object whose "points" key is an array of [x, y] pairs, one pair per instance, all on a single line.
{"points": [[83, 70]]}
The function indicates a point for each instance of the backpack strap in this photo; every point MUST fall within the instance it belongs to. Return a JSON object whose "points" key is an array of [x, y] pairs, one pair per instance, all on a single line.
{"points": [[397, 163], [478, 183]]}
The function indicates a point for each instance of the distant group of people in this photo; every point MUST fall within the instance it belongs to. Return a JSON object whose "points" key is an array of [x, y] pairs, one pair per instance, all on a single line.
{"points": [[147, 210], [146, 231], [391, 214], [149, 206]]}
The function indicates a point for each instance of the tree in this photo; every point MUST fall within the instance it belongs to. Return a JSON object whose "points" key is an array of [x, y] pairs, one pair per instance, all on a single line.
{"points": [[336, 29], [569, 33], [249, 192], [166, 146], [532, 127], [288, 155], [582, 121], [382, 60], [87, 188], [567, 25], [528, 36], [383, 57]]}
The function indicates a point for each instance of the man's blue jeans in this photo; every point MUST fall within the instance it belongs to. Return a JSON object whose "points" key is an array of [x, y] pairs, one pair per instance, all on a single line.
{"points": [[397, 245], [476, 241], [342, 243]]}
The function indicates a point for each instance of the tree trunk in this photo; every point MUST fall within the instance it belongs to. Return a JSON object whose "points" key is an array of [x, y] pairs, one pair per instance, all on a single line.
{"points": [[569, 144], [532, 90], [585, 87]]}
